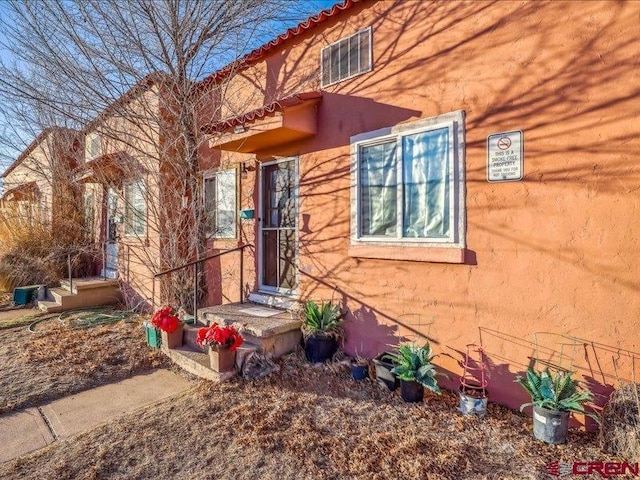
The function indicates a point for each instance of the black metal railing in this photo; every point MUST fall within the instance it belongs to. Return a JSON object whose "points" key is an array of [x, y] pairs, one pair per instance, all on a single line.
{"points": [[196, 284]]}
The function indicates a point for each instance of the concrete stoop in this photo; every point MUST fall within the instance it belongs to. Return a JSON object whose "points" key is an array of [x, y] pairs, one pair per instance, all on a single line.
{"points": [[274, 331], [267, 330], [83, 293]]}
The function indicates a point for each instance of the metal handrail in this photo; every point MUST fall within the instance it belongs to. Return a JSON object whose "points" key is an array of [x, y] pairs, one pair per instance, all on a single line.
{"points": [[195, 264]]}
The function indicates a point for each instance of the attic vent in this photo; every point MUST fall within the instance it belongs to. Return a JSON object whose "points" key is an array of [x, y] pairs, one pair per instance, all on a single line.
{"points": [[346, 58]]}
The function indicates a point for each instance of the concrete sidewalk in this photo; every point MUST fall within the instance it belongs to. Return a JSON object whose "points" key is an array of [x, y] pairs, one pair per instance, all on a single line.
{"points": [[34, 428]]}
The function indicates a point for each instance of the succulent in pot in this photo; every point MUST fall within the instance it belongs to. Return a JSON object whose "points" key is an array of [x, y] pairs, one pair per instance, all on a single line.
{"points": [[415, 370], [553, 398], [321, 330]]}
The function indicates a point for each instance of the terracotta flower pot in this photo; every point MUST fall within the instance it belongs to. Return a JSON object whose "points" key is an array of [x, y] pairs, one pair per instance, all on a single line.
{"points": [[222, 359], [173, 339]]}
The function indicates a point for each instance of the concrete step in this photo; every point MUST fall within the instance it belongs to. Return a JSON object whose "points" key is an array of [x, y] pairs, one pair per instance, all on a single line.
{"points": [[196, 362], [49, 306], [85, 293], [273, 331], [272, 300], [92, 283], [189, 336]]}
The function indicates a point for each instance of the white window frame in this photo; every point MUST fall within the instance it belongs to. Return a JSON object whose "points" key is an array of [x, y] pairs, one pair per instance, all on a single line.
{"points": [[454, 121], [208, 176], [128, 206], [91, 139], [369, 31]]}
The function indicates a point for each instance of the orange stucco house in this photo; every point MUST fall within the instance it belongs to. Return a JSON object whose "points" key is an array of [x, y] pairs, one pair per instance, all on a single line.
{"points": [[466, 172]]}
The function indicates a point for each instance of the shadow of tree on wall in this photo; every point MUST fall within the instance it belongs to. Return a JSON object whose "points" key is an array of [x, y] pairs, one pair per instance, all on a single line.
{"points": [[595, 364], [568, 102]]}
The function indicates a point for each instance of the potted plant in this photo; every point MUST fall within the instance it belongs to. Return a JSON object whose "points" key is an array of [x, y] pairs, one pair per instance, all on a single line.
{"points": [[415, 370], [359, 367], [222, 343], [170, 325], [321, 330], [383, 371], [553, 398]]}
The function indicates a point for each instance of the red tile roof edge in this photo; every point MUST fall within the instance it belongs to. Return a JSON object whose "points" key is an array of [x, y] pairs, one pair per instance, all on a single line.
{"points": [[262, 112], [259, 53]]}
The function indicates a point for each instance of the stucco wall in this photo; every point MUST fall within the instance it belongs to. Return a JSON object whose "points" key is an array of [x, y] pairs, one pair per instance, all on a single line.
{"points": [[550, 268]]}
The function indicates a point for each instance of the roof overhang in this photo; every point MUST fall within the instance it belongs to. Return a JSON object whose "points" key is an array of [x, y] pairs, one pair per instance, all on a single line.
{"points": [[26, 191], [283, 121], [110, 168]]}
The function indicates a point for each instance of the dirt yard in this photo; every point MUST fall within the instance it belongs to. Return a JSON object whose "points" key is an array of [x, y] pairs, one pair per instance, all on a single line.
{"points": [[306, 422], [57, 360]]}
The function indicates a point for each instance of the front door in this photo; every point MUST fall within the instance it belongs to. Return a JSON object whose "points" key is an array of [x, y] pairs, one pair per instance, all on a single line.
{"points": [[279, 226], [111, 241]]}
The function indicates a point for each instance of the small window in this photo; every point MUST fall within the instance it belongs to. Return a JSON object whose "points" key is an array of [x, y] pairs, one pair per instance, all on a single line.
{"points": [[135, 209], [94, 146], [89, 213], [220, 204], [346, 58]]}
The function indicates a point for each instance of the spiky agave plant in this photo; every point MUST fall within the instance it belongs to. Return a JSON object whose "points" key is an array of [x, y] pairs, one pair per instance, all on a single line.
{"points": [[323, 319], [414, 363], [558, 392]]}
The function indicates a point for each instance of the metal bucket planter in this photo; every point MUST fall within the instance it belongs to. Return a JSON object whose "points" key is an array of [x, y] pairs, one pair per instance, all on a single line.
{"points": [[411, 392], [473, 401], [550, 426]]}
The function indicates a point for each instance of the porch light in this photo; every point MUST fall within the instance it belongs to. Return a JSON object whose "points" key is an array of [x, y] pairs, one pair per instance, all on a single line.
{"points": [[239, 129]]}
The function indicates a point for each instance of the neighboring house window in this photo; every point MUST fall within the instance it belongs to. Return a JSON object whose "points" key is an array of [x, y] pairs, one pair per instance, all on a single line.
{"points": [[409, 183], [135, 209], [220, 204], [89, 214], [94, 146], [346, 58]]}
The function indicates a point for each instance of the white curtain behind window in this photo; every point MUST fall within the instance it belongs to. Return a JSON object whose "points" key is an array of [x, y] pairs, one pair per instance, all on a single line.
{"points": [[426, 184], [378, 189]]}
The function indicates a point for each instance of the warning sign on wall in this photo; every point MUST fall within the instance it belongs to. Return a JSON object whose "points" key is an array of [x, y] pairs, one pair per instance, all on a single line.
{"points": [[505, 156]]}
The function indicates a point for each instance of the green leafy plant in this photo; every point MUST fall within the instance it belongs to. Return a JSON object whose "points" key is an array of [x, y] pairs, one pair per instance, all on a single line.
{"points": [[558, 392], [414, 363], [323, 319]]}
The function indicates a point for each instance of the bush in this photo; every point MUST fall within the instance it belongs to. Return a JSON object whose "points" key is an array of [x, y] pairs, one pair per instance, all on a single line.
{"points": [[620, 430]]}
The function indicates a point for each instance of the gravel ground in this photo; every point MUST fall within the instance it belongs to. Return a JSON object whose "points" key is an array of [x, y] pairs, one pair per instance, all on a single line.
{"points": [[304, 422]]}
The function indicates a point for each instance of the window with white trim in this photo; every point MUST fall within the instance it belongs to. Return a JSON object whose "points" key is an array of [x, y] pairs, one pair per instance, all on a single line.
{"points": [[135, 209], [94, 146], [346, 58], [220, 204], [409, 183]]}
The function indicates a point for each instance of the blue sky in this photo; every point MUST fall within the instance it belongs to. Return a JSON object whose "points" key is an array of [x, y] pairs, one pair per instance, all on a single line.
{"points": [[300, 10]]}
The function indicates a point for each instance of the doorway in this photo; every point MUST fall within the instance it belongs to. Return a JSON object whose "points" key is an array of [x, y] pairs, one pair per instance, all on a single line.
{"points": [[278, 226]]}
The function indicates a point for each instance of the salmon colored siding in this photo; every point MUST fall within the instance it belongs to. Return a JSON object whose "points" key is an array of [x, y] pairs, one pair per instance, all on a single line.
{"points": [[550, 269]]}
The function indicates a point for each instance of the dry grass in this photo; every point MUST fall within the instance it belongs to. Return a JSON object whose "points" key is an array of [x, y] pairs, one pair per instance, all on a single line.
{"points": [[57, 360], [306, 422], [620, 432]]}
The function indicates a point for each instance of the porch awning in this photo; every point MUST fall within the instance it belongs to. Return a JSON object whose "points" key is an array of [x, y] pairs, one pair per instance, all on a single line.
{"points": [[110, 168], [283, 121], [26, 191]]}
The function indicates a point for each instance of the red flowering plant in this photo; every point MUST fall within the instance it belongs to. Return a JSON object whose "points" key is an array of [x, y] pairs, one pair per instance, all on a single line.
{"points": [[165, 319], [220, 336]]}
